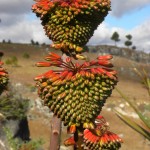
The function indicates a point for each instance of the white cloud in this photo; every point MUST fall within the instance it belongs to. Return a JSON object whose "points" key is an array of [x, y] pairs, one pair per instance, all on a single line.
{"points": [[142, 36], [14, 11], [15, 6], [121, 7], [15, 23], [24, 31]]}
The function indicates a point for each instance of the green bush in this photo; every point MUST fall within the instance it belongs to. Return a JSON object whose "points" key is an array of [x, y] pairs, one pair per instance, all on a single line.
{"points": [[8, 61], [26, 55], [12, 61], [13, 105]]}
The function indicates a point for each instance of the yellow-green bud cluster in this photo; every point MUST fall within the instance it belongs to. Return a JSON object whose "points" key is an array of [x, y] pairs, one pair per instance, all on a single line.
{"points": [[70, 24], [78, 98]]}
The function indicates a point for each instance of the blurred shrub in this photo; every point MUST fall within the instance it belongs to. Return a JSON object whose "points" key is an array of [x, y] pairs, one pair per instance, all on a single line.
{"points": [[16, 144], [12, 61], [26, 55], [8, 61], [3, 41], [9, 41], [13, 105]]}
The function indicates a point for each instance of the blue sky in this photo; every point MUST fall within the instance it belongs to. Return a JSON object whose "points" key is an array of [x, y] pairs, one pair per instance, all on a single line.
{"points": [[19, 24], [129, 20]]}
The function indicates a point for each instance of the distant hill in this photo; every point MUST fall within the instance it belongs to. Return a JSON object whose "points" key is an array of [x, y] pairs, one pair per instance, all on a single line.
{"points": [[124, 59], [138, 56]]}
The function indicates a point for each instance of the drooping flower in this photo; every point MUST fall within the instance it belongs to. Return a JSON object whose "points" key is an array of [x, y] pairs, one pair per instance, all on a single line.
{"points": [[101, 138], [77, 92], [71, 23]]}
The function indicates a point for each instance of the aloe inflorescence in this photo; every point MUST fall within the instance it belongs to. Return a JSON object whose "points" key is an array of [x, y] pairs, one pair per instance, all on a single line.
{"points": [[76, 92], [71, 23]]}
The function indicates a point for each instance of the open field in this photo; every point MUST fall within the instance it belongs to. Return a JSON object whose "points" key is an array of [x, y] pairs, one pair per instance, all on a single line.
{"points": [[128, 83]]}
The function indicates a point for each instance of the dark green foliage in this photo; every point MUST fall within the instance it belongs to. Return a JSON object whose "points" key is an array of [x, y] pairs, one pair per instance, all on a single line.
{"points": [[13, 60], [9, 41], [26, 55], [134, 47], [129, 36], [128, 42], [32, 42], [8, 61], [43, 44], [36, 43], [3, 41], [115, 37]]}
